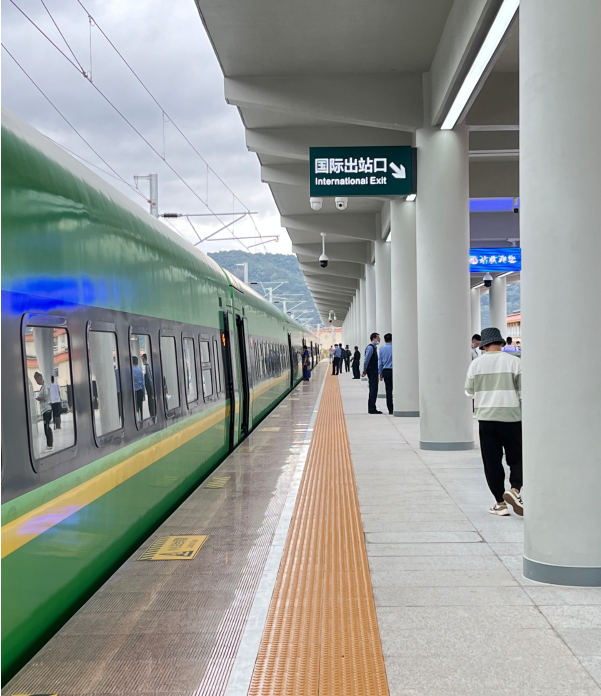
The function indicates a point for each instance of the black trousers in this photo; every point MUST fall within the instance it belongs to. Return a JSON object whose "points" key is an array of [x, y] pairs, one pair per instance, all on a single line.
{"points": [[47, 416], [336, 366], [495, 437], [356, 368], [373, 391], [387, 376], [347, 364]]}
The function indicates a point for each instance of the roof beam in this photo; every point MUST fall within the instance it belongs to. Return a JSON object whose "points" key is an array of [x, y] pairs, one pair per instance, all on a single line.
{"points": [[355, 225], [317, 279], [389, 101], [294, 142], [346, 269], [359, 252]]}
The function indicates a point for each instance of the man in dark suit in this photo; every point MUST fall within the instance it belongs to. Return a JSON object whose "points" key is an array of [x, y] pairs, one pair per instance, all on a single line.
{"points": [[370, 368]]}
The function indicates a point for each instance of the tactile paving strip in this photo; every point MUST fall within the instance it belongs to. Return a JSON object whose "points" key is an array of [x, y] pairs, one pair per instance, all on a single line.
{"points": [[321, 636]]}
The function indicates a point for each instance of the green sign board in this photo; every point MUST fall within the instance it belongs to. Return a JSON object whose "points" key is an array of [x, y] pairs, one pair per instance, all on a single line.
{"points": [[363, 171]]}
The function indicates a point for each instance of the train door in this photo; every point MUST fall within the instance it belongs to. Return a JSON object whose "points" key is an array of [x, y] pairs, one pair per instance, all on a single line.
{"points": [[230, 374], [292, 361], [245, 391], [312, 356]]}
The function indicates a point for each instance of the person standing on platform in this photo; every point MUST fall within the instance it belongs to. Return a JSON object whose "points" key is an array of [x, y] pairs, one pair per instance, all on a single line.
{"points": [[356, 360], [494, 381], [306, 365], [46, 408], [331, 351], [475, 345], [370, 368], [385, 369], [139, 387], [55, 400], [510, 348], [337, 359], [347, 359]]}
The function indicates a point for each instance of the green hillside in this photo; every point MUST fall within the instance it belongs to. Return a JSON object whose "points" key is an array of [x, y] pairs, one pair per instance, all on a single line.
{"points": [[268, 268]]}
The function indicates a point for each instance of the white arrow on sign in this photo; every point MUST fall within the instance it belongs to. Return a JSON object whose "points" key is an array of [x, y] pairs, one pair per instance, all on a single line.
{"points": [[398, 172]]}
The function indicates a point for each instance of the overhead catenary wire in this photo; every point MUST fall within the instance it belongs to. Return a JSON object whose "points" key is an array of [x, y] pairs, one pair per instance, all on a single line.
{"points": [[165, 114], [58, 111], [117, 110]]}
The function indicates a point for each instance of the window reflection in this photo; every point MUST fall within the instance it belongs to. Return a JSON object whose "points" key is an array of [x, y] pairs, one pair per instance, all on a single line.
{"points": [[106, 383], [190, 370], [169, 363], [143, 377], [49, 390]]}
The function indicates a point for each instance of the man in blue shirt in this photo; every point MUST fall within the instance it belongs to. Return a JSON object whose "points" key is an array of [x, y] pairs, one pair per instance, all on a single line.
{"points": [[385, 369], [337, 359], [139, 390], [370, 368]]}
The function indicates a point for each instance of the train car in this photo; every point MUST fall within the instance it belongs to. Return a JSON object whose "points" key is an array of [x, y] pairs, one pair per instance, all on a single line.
{"points": [[132, 364]]}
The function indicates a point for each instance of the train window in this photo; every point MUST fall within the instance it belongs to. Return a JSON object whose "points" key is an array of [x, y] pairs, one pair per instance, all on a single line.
{"points": [[217, 366], [105, 382], [143, 377], [207, 376], [170, 379], [205, 354], [190, 370], [49, 389]]}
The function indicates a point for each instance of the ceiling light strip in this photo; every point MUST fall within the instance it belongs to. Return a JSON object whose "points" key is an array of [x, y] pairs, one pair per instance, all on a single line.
{"points": [[487, 50]]}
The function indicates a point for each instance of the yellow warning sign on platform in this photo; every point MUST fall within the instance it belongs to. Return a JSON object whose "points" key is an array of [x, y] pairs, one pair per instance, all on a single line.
{"points": [[270, 430], [218, 482], [174, 548]]}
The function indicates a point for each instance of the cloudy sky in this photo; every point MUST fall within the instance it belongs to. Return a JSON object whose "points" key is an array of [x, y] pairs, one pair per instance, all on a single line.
{"points": [[165, 43]]}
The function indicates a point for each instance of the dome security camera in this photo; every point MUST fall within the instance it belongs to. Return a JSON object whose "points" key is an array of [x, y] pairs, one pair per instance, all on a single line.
{"points": [[316, 203], [323, 261], [341, 203], [487, 280], [516, 207]]}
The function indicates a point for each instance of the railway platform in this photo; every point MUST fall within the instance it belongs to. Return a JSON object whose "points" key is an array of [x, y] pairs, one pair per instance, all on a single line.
{"points": [[329, 555]]}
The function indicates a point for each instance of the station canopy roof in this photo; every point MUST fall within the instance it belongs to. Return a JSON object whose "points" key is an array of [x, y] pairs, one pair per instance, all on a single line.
{"points": [[347, 73]]}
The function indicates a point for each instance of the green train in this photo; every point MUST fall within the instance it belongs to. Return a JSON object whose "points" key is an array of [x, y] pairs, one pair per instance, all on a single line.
{"points": [[132, 364]]}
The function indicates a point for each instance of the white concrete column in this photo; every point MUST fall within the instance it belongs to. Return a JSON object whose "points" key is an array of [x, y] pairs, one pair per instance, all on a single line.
{"points": [[363, 338], [383, 305], [405, 356], [443, 293], [560, 155], [476, 313], [498, 304], [370, 301]]}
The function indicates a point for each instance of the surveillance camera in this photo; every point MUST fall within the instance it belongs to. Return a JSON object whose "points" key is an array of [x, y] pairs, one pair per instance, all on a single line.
{"points": [[323, 261], [487, 280], [516, 208], [331, 320], [341, 203], [316, 203]]}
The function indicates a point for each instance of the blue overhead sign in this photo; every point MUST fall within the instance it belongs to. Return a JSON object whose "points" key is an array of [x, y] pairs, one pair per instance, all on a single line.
{"points": [[362, 171], [495, 260]]}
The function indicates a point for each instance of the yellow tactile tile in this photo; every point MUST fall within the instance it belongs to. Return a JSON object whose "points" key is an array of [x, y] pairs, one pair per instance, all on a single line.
{"points": [[321, 637]]}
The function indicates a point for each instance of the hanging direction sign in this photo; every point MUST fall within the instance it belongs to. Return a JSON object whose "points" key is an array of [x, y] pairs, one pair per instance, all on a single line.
{"points": [[363, 171], [497, 260]]}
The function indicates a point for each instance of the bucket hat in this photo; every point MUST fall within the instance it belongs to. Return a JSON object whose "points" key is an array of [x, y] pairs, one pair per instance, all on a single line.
{"points": [[491, 335]]}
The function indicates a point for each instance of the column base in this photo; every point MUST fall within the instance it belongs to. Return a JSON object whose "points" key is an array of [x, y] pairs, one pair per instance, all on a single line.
{"points": [[406, 414], [573, 576], [446, 446]]}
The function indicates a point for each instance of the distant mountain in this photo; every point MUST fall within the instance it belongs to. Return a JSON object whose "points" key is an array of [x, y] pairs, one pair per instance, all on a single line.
{"points": [[268, 268]]}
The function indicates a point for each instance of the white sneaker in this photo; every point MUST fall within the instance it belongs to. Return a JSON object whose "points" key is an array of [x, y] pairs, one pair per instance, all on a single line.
{"points": [[49, 449], [500, 509], [514, 498]]}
